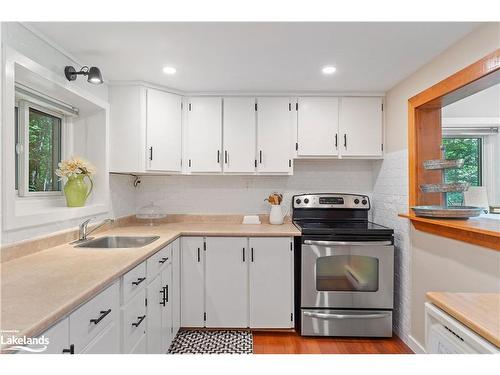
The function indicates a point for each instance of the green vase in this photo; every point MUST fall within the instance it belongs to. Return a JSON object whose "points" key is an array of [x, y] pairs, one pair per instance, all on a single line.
{"points": [[77, 191]]}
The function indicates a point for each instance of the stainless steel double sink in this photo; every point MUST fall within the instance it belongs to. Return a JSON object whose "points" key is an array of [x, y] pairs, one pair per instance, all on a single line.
{"points": [[113, 242]]}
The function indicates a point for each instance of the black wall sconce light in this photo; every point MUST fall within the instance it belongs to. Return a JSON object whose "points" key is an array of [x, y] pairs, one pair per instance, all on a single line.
{"points": [[93, 74]]}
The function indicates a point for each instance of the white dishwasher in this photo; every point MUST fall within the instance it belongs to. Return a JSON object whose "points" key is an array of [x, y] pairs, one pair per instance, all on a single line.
{"points": [[446, 335]]}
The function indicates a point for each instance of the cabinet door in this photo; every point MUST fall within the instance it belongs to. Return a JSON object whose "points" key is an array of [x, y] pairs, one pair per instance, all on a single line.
{"points": [[155, 307], [317, 127], [361, 126], [164, 114], [134, 321], [274, 135], [239, 135], [226, 282], [166, 324], [271, 283], [176, 286], [58, 340], [204, 135], [192, 281]]}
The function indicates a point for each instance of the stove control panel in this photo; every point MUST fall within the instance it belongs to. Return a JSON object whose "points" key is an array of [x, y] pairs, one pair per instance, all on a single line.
{"points": [[332, 200]]}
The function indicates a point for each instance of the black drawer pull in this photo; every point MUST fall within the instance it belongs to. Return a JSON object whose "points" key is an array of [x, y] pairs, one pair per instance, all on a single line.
{"points": [[163, 260], [243, 254], [162, 292], [71, 349], [198, 255], [139, 280], [251, 254], [138, 323], [103, 315]]}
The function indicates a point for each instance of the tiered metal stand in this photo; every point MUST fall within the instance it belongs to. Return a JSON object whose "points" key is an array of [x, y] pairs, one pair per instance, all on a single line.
{"points": [[445, 212]]}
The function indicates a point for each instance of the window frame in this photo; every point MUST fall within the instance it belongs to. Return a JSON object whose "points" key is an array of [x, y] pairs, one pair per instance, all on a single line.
{"points": [[24, 106]]}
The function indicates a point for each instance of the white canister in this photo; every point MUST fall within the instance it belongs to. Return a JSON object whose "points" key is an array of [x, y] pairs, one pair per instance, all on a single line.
{"points": [[276, 216]]}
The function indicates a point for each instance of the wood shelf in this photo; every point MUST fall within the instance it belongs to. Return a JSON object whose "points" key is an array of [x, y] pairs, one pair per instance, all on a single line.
{"points": [[478, 231]]}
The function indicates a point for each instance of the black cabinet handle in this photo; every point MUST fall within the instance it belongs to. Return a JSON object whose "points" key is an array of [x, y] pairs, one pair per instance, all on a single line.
{"points": [[198, 255], [336, 140], [218, 156], [243, 254], [165, 288], [71, 350], [251, 254], [103, 315], [163, 260], [162, 292], [139, 280], [225, 156], [260, 156], [151, 153], [138, 323], [345, 140]]}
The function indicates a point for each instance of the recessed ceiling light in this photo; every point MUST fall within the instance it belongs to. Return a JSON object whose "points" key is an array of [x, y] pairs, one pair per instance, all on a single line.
{"points": [[169, 70], [329, 70]]}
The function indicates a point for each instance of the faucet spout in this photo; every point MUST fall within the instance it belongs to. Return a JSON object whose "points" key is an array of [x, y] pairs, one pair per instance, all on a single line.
{"points": [[84, 232]]}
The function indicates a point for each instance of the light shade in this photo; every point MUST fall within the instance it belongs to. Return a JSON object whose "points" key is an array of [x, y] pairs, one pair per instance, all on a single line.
{"points": [[328, 69], [94, 76]]}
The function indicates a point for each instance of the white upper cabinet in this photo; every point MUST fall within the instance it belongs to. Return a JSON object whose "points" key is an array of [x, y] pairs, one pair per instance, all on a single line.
{"points": [[274, 135], [239, 135], [361, 126], [317, 126], [145, 130], [164, 119], [204, 135]]}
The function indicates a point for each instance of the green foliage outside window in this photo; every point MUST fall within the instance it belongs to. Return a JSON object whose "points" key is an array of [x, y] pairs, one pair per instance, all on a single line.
{"points": [[44, 151], [468, 149]]}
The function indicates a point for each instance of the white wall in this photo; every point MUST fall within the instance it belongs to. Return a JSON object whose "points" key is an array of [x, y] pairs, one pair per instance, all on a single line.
{"points": [[428, 274], [246, 194], [122, 191]]}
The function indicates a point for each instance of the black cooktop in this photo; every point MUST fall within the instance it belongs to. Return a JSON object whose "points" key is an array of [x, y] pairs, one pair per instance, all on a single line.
{"points": [[342, 227]]}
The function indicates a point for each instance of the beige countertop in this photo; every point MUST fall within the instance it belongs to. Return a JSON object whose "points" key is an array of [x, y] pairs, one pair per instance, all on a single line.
{"points": [[39, 289], [478, 311]]}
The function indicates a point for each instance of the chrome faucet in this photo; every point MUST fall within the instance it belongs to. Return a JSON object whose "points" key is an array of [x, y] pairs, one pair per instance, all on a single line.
{"points": [[83, 232]]}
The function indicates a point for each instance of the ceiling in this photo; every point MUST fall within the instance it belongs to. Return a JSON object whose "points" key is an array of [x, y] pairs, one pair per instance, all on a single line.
{"points": [[257, 57]]}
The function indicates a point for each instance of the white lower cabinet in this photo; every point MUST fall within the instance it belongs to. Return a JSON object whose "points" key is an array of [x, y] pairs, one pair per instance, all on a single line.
{"points": [[271, 282], [226, 282], [107, 342], [56, 338], [192, 282], [237, 282]]}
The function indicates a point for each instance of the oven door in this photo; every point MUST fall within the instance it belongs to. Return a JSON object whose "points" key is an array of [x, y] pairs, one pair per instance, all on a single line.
{"points": [[345, 274]]}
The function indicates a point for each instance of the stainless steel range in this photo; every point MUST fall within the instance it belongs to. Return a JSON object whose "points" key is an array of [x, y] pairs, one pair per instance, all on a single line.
{"points": [[346, 267]]}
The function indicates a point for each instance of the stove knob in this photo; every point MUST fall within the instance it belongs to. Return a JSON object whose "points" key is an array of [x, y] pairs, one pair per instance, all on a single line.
{"points": [[306, 201], [298, 201], [356, 201], [364, 201]]}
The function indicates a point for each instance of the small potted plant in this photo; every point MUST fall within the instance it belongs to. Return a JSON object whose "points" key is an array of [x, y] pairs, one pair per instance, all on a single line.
{"points": [[75, 169]]}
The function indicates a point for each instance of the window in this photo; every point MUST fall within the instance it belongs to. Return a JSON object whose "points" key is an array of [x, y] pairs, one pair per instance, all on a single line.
{"points": [[469, 149], [38, 149]]}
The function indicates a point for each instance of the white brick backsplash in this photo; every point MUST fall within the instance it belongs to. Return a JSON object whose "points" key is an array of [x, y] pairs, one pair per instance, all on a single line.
{"points": [[390, 197]]}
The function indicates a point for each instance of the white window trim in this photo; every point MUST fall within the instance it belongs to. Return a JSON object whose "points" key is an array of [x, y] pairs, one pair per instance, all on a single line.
{"points": [[23, 139], [24, 212]]}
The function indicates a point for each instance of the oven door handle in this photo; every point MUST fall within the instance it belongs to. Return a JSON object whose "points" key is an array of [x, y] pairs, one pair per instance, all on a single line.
{"points": [[344, 316], [347, 243]]}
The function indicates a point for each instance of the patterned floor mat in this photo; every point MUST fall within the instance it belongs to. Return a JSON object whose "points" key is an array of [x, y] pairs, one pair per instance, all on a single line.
{"points": [[212, 342]]}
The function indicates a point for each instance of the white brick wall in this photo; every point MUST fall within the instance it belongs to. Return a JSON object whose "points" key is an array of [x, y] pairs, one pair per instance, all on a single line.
{"points": [[390, 197]]}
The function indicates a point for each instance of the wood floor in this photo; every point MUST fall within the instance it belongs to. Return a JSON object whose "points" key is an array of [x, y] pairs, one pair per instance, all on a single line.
{"points": [[291, 343]]}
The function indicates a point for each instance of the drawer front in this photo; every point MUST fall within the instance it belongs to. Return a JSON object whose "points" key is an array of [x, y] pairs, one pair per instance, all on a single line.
{"points": [[356, 323], [140, 347], [133, 281], [107, 342], [133, 321], [158, 261], [94, 316]]}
